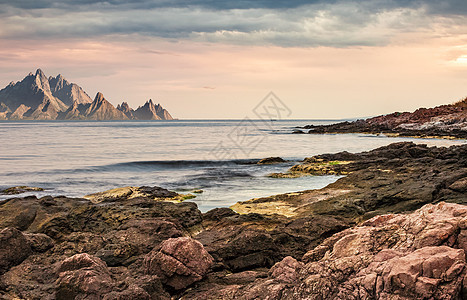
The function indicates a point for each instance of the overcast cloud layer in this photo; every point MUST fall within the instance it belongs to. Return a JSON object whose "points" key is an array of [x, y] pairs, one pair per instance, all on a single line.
{"points": [[284, 23]]}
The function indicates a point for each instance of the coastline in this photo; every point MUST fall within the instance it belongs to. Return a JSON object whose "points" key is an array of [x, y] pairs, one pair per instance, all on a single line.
{"points": [[125, 243]]}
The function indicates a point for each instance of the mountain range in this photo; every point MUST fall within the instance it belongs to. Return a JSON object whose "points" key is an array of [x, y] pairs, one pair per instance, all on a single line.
{"points": [[37, 97]]}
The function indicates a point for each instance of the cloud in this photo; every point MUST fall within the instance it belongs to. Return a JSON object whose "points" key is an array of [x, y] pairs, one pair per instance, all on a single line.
{"points": [[284, 23]]}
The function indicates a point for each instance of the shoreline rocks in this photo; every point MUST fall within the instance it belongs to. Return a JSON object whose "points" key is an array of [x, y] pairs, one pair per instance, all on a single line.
{"points": [[445, 121], [393, 227]]}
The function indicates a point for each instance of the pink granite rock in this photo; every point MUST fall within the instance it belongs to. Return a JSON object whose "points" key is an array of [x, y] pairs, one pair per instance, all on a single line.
{"points": [[179, 262]]}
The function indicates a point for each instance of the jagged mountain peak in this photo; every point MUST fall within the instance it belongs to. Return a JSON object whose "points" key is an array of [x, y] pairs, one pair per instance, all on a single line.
{"points": [[99, 97], [39, 72], [124, 106]]}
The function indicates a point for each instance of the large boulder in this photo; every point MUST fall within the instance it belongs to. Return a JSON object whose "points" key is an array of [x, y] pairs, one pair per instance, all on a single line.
{"points": [[179, 262], [14, 248], [83, 276]]}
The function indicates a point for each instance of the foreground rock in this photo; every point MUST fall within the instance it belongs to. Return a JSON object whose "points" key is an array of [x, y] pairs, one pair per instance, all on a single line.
{"points": [[179, 262], [440, 121], [415, 256], [340, 242], [83, 275], [14, 248]]}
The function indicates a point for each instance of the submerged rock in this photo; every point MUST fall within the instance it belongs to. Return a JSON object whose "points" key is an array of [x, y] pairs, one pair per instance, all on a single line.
{"points": [[20, 189], [271, 160]]}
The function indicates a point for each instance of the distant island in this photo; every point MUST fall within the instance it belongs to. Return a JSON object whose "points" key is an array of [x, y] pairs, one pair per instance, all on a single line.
{"points": [[441, 121], [37, 97]]}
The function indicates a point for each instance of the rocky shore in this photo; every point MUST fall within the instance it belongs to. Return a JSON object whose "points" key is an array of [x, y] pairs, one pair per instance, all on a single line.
{"points": [[394, 227], [448, 121]]}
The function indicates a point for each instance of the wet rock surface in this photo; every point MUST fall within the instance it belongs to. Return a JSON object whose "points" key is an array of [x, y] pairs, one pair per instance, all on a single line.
{"points": [[19, 190], [393, 228], [395, 178]]}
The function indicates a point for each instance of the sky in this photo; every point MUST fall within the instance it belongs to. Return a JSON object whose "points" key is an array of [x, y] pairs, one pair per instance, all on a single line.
{"points": [[210, 59]]}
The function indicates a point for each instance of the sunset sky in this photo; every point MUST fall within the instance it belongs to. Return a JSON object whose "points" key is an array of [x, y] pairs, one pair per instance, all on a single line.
{"points": [[218, 59]]}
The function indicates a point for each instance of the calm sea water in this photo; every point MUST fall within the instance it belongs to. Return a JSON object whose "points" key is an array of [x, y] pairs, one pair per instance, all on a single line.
{"points": [[78, 158]]}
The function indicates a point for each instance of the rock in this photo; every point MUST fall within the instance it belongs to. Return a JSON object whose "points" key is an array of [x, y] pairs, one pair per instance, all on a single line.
{"points": [[237, 247], [14, 248], [179, 262], [298, 131], [441, 121], [219, 213], [394, 178], [134, 238], [419, 273], [271, 160], [134, 292], [20, 189], [39, 242], [345, 241], [287, 270], [460, 185], [387, 257], [130, 192], [84, 276]]}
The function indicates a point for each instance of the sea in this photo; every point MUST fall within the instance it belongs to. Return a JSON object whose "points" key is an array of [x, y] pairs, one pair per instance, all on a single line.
{"points": [[76, 158]]}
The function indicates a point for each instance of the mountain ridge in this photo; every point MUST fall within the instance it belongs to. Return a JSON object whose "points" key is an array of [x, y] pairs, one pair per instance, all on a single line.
{"points": [[38, 97]]}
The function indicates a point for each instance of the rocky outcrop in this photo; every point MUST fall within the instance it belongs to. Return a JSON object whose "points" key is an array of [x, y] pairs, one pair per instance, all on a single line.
{"points": [[271, 160], [37, 97], [76, 248], [444, 120], [409, 256], [415, 256], [131, 192], [395, 178]]}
